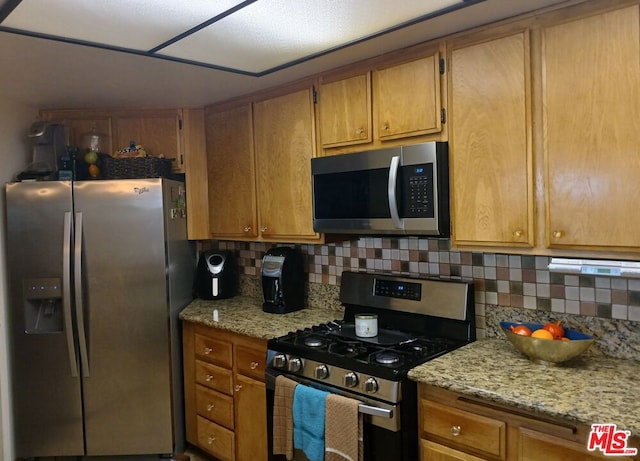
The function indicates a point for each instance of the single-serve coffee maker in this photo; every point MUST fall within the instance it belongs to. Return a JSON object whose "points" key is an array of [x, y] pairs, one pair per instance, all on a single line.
{"points": [[283, 278]]}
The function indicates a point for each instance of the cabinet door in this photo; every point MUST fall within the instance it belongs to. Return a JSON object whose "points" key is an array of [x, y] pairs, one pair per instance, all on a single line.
{"points": [[490, 142], [591, 90], [345, 111], [251, 419], [534, 446], [158, 131], [406, 99], [285, 144], [430, 451], [231, 173]]}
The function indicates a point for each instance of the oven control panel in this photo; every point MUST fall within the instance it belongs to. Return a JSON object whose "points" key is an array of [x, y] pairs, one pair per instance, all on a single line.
{"points": [[397, 289]]}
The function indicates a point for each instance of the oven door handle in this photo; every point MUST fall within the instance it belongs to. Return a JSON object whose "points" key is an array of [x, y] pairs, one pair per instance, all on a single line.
{"points": [[375, 411]]}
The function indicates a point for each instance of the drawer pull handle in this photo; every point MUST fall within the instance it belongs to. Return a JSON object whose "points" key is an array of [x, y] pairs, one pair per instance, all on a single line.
{"points": [[558, 234], [208, 378], [210, 407], [207, 350], [246, 229], [518, 233], [210, 440], [237, 387], [253, 365], [455, 430]]}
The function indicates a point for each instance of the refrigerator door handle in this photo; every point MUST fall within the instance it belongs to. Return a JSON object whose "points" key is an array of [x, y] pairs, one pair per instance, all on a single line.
{"points": [[82, 337], [66, 293]]}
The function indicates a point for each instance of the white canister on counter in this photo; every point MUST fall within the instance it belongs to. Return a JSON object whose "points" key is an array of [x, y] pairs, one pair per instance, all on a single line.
{"points": [[366, 325]]}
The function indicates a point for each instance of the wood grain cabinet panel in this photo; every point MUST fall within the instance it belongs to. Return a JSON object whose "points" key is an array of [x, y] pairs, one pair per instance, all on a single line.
{"points": [[225, 406], [406, 98], [431, 451], [214, 406], [285, 143], [490, 142], [345, 111], [231, 173], [591, 86], [213, 350], [464, 429], [217, 440]]}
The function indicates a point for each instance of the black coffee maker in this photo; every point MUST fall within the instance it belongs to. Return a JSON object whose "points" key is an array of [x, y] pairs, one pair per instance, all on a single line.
{"points": [[283, 279], [217, 275]]}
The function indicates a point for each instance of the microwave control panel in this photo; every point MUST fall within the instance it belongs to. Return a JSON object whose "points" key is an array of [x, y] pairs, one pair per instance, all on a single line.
{"points": [[417, 191]]}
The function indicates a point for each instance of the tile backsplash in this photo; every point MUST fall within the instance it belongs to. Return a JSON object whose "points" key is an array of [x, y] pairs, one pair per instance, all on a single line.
{"points": [[505, 281]]}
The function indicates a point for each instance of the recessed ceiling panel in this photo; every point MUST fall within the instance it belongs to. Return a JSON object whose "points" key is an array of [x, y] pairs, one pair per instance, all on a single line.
{"points": [[270, 33], [133, 24]]}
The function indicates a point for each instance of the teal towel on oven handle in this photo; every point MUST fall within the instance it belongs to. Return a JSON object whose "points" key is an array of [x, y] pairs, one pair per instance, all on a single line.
{"points": [[308, 421]]}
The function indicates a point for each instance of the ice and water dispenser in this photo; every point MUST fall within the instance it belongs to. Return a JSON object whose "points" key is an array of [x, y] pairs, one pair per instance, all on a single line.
{"points": [[42, 305]]}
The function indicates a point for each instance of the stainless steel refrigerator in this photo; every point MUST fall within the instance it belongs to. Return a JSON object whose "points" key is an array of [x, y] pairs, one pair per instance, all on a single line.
{"points": [[98, 272]]}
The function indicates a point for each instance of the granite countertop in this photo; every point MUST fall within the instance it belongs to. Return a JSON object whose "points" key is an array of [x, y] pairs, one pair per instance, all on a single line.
{"points": [[589, 389], [244, 315]]}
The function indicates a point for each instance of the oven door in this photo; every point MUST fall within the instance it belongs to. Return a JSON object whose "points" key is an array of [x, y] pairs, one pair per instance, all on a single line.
{"points": [[389, 430]]}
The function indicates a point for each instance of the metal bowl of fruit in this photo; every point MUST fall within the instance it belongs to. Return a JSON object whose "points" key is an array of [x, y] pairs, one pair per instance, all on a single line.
{"points": [[549, 343]]}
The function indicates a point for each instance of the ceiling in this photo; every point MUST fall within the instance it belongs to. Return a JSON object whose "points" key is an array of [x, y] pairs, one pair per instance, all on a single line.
{"points": [[83, 53]]}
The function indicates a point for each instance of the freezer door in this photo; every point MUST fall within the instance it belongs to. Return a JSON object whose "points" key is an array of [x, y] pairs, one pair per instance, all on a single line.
{"points": [[127, 380], [44, 371]]}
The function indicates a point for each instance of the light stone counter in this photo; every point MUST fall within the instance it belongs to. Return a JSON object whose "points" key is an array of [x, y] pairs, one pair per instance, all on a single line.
{"points": [[244, 315], [588, 389]]}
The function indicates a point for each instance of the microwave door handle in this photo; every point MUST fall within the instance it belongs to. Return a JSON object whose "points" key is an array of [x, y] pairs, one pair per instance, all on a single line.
{"points": [[391, 192]]}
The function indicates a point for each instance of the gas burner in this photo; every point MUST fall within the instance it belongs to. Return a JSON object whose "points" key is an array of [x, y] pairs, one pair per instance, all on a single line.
{"points": [[314, 341], [387, 358]]}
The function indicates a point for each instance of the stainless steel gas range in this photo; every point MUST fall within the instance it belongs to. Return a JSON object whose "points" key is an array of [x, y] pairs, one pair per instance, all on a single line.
{"points": [[418, 319]]}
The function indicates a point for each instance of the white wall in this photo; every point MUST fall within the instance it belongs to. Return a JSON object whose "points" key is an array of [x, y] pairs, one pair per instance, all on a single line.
{"points": [[15, 154]]}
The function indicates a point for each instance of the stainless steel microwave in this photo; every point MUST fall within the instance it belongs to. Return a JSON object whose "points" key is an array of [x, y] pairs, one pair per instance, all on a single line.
{"points": [[401, 190]]}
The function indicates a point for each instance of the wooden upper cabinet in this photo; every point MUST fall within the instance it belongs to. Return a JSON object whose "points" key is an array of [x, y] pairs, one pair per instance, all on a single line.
{"points": [[285, 143], [158, 131], [490, 142], [231, 173], [591, 92], [406, 99], [78, 123], [344, 108]]}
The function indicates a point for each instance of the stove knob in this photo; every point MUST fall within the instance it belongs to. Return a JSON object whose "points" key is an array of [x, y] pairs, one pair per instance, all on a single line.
{"points": [[279, 361], [371, 386], [321, 372], [294, 365], [350, 379]]}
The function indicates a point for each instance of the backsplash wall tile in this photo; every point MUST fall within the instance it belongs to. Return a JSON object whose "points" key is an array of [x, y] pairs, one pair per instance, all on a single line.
{"points": [[511, 281]]}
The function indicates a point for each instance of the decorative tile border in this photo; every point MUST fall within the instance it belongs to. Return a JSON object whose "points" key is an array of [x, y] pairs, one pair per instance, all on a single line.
{"points": [[512, 281]]}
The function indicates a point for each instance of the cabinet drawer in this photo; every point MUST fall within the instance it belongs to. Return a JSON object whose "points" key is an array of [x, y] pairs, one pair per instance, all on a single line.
{"points": [[434, 451], [250, 362], [214, 377], [212, 350], [214, 406], [217, 440], [464, 429]]}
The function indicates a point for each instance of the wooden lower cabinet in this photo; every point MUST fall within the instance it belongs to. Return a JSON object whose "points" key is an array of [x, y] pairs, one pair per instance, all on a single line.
{"points": [[225, 393], [454, 427], [436, 452]]}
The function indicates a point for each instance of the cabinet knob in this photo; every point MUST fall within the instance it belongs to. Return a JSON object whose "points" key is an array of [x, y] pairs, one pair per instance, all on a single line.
{"points": [[518, 233], [455, 430], [210, 440], [263, 229], [558, 234], [359, 131], [208, 378], [210, 407], [237, 387], [253, 365], [246, 229], [207, 350], [385, 127]]}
